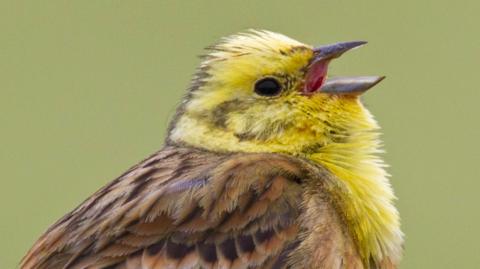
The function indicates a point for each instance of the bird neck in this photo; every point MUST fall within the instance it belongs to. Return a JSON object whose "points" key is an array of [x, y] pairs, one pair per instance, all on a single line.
{"points": [[364, 196]]}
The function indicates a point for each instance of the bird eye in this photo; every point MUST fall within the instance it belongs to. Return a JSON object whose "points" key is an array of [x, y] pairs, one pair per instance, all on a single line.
{"points": [[268, 87]]}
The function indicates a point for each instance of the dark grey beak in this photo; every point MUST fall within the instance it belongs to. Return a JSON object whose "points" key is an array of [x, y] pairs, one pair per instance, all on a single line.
{"points": [[350, 85], [316, 77], [333, 51]]}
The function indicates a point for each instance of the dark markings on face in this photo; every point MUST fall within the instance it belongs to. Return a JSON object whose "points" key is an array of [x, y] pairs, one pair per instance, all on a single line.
{"points": [[245, 136], [336, 137], [312, 148], [199, 80], [271, 130], [288, 81], [298, 48], [219, 115]]}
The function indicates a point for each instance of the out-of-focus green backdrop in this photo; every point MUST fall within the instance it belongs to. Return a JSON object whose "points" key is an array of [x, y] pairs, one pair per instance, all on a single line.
{"points": [[87, 89]]}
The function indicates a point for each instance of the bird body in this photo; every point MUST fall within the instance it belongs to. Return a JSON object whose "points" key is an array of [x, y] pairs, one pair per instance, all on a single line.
{"points": [[267, 164]]}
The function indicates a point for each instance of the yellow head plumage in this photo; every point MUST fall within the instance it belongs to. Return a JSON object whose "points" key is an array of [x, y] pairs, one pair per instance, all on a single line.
{"points": [[256, 92]]}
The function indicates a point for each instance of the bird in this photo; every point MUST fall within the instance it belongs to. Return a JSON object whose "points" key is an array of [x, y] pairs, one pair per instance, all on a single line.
{"points": [[268, 162]]}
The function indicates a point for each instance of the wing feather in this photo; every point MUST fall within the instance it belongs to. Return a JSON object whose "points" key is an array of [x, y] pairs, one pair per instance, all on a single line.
{"points": [[181, 208]]}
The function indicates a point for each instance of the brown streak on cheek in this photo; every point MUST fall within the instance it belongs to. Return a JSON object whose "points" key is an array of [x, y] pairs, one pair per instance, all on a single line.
{"points": [[219, 115], [245, 136]]}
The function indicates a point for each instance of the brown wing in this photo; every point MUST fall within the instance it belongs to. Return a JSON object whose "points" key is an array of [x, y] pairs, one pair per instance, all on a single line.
{"points": [[182, 208]]}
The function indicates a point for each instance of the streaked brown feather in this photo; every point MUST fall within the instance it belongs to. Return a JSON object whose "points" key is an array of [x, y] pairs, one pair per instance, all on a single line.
{"points": [[187, 208]]}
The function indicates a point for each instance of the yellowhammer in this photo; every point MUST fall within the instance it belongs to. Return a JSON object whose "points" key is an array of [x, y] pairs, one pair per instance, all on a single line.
{"points": [[268, 164]]}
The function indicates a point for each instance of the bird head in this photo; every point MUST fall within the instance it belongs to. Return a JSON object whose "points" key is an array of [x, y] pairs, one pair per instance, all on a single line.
{"points": [[264, 92]]}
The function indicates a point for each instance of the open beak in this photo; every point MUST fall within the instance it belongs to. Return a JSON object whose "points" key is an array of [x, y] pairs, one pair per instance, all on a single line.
{"points": [[316, 77]]}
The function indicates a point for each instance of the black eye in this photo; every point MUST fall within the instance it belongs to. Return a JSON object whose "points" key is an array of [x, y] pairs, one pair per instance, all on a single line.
{"points": [[268, 87]]}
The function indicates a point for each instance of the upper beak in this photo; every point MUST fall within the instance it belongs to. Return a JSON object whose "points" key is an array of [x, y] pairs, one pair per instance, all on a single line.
{"points": [[335, 50], [316, 77]]}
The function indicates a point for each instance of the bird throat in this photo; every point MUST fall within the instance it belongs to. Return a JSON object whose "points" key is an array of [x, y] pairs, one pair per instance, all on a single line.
{"points": [[365, 198]]}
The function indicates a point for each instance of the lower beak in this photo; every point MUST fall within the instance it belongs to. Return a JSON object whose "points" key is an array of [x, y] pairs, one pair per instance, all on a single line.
{"points": [[350, 85], [316, 78]]}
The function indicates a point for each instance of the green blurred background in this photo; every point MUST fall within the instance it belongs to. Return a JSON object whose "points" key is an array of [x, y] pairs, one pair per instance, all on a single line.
{"points": [[87, 89]]}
